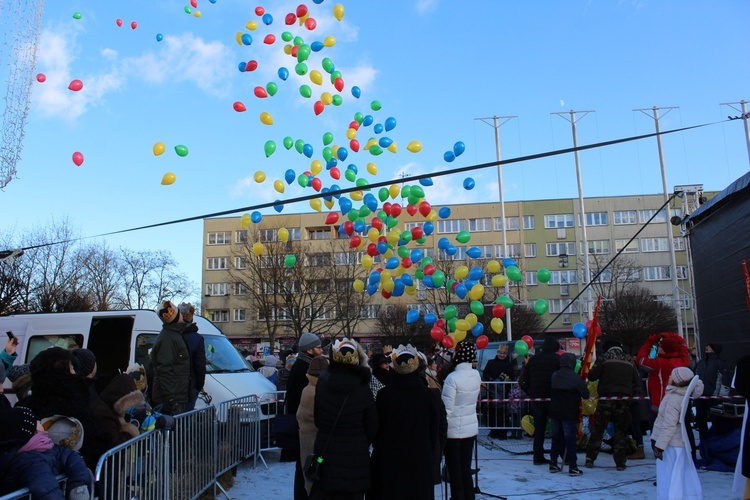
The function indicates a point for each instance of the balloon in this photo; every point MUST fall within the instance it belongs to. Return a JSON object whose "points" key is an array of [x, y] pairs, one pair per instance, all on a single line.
{"points": [[468, 184], [259, 176], [246, 39], [477, 330], [267, 19], [258, 249], [272, 88], [307, 150], [507, 262], [597, 329], [477, 307], [283, 73], [239, 106], [283, 234], [459, 148], [118, 22], [259, 10], [493, 266], [498, 311], [578, 366], [375, 105], [505, 300], [133, 25], [463, 236], [448, 156], [529, 341], [77, 158], [356, 92], [499, 280], [448, 342], [437, 334], [497, 325], [269, 39], [521, 348], [41, 77], [245, 220], [543, 275], [450, 312], [75, 85], [318, 107], [300, 68], [278, 185], [168, 179], [482, 342], [266, 118], [579, 330], [338, 11], [290, 260], [159, 37], [269, 148], [182, 151], [476, 292], [310, 23], [513, 273], [541, 306], [159, 148], [412, 316], [474, 252]]}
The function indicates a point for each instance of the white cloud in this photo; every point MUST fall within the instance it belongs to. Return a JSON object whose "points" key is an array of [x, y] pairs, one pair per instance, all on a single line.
{"points": [[425, 6], [247, 188], [109, 54]]}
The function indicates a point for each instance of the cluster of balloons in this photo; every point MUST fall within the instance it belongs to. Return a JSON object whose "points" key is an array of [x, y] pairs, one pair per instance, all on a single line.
{"points": [[522, 346], [159, 148]]}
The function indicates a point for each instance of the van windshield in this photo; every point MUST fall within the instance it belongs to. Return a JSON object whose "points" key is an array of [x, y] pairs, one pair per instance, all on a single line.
{"points": [[222, 357]]}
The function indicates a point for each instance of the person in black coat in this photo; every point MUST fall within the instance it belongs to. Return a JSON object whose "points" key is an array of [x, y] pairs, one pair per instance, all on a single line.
{"points": [[197, 349], [567, 390], [498, 369], [347, 423], [536, 381], [408, 445], [714, 373]]}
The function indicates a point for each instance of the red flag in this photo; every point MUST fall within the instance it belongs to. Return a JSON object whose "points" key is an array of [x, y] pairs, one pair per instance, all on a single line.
{"points": [[747, 282], [594, 331]]}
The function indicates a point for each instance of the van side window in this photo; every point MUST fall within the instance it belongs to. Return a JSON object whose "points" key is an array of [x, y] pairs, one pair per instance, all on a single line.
{"points": [[38, 343], [143, 346]]}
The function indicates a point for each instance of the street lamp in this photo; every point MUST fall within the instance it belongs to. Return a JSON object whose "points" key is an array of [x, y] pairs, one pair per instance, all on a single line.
{"points": [[563, 260]]}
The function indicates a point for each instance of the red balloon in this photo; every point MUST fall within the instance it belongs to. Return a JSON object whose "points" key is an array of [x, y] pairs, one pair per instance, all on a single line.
{"points": [[354, 124], [290, 19], [318, 107], [239, 106], [406, 263], [335, 173], [440, 323], [259, 10], [348, 227], [354, 241], [411, 209], [387, 207], [482, 342], [447, 342], [311, 24], [417, 232], [437, 334], [395, 210], [377, 223], [194, 3], [77, 158], [429, 269], [372, 249], [41, 78], [425, 208], [597, 330], [332, 218], [385, 293], [133, 25], [302, 10], [528, 340], [498, 311], [338, 83], [294, 50], [251, 65], [269, 39], [260, 92], [75, 85], [119, 22], [316, 184], [354, 145]]}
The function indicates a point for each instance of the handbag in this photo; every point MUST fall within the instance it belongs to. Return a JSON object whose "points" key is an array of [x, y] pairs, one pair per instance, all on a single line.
{"points": [[286, 431], [311, 469]]}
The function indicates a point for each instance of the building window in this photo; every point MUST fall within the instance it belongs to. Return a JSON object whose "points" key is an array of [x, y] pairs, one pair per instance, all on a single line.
{"points": [[217, 289], [319, 313], [459, 255], [600, 247], [477, 225], [566, 247], [605, 277], [408, 226], [511, 223], [657, 273], [594, 219], [270, 261], [268, 235], [318, 259], [451, 225], [563, 278], [531, 278], [556, 306], [346, 258], [645, 215], [654, 245], [220, 238], [240, 289], [487, 251], [319, 233], [240, 262], [240, 314], [219, 316], [528, 222], [682, 272], [679, 244], [558, 221], [625, 217], [514, 250], [369, 312], [529, 249], [215, 263], [240, 236], [321, 286], [631, 247]]}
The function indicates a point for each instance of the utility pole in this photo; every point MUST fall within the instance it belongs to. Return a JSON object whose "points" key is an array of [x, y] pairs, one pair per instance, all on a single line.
{"points": [[744, 116], [585, 250], [654, 114], [496, 125]]}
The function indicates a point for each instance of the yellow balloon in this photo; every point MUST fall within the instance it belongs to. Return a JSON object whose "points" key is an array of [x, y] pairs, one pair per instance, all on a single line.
{"points": [[283, 234], [316, 205], [372, 169], [252, 25], [459, 335], [338, 11], [387, 255], [357, 195], [258, 249], [335, 150], [329, 41], [411, 290], [373, 235], [278, 185], [393, 148], [370, 143], [351, 133], [266, 118], [196, 13], [329, 204], [326, 98], [316, 167], [259, 176], [493, 266], [432, 216], [414, 146], [394, 191], [168, 179], [159, 148], [245, 220], [476, 292], [366, 261], [393, 236], [302, 19], [497, 325], [399, 270], [472, 319], [287, 49], [238, 38], [461, 272], [388, 286], [499, 280], [385, 275], [316, 77], [462, 324], [358, 285]]}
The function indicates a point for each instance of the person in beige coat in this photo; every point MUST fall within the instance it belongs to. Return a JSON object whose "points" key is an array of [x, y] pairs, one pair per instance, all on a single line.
{"points": [[305, 412]]}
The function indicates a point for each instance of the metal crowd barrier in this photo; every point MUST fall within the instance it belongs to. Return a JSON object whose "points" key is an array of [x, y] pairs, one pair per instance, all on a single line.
{"points": [[191, 452], [500, 415], [24, 493], [134, 469], [271, 404], [238, 433]]}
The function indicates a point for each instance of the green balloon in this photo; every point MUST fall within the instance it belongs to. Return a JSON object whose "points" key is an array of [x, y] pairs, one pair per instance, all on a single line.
{"points": [[403, 252], [541, 306], [417, 191], [363, 183], [352, 215], [452, 324], [299, 144], [305, 91], [406, 236], [578, 366], [327, 154], [505, 300], [383, 194], [336, 74], [449, 284], [269, 148], [392, 222], [464, 237], [382, 215], [419, 274], [337, 100], [303, 53], [77, 15], [290, 260], [303, 180], [450, 312], [477, 307], [413, 200], [438, 278], [327, 139], [272, 88], [513, 273], [405, 191], [300, 69], [364, 211], [181, 150], [376, 150], [521, 348], [327, 64], [288, 142], [286, 36], [359, 117], [350, 175], [298, 40], [426, 261], [543, 275], [422, 240], [375, 105]]}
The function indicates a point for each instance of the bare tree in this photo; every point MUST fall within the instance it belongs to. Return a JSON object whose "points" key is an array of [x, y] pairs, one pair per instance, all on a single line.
{"points": [[633, 315], [102, 279], [149, 277], [395, 330], [620, 276], [346, 302]]}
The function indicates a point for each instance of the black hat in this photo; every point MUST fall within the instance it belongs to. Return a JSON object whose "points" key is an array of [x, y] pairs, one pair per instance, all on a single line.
{"points": [[378, 359], [551, 345], [84, 361], [51, 360], [610, 343], [17, 423], [717, 348], [465, 353]]}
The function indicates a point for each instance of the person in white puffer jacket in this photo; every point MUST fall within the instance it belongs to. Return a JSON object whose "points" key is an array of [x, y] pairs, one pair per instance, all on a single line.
{"points": [[460, 394]]}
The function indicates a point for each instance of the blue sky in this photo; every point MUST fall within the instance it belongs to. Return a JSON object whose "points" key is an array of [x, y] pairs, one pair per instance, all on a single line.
{"points": [[434, 65]]}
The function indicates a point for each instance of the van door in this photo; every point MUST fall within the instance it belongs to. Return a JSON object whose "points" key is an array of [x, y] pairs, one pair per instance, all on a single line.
{"points": [[109, 340]]}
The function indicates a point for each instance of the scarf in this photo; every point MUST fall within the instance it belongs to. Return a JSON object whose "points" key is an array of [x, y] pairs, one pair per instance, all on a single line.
{"points": [[39, 442], [304, 357]]}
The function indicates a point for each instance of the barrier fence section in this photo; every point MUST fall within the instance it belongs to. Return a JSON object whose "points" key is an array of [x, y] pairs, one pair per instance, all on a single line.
{"points": [[238, 432], [191, 453], [500, 415], [271, 404]]}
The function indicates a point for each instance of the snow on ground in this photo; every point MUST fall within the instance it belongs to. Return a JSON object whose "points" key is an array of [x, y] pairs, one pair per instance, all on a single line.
{"points": [[505, 474]]}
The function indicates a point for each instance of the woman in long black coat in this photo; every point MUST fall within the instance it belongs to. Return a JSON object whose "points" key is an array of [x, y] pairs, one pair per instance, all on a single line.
{"points": [[407, 449], [344, 386]]}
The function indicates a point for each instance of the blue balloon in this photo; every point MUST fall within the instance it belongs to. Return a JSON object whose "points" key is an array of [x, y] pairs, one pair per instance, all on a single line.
{"points": [[242, 66], [412, 315], [246, 39], [267, 19], [345, 204], [398, 288], [477, 329], [378, 128], [331, 163], [459, 148], [444, 212], [367, 120], [390, 123], [451, 250], [460, 291], [212, 1], [371, 202], [326, 197], [372, 288], [384, 142], [279, 206], [443, 243], [407, 279], [428, 228], [316, 46], [256, 217], [353, 168], [507, 262], [359, 226], [342, 153], [448, 156], [430, 318], [476, 273], [283, 73], [392, 263], [474, 252], [427, 181], [580, 331], [334, 189], [159, 37], [289, 176], [470, 284], [342, 231], [427, 280], [374, 277], [468, 184], [356, 91], [416, 255], [307, 150], [382, 247]]}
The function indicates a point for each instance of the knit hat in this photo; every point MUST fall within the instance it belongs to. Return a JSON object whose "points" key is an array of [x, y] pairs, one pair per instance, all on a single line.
{"points": [[17, 423], [270, 360], [669, 345], [307, 341], [138, 373], [54, 360], [378, 359], [610, 343], [187, 308], [405, 359], [465, 353], [168, 313], [16, 371], [345, 351], [550, 345], [64, 431], [681, 376], [717, 348], [84, 361], [317, 365]]}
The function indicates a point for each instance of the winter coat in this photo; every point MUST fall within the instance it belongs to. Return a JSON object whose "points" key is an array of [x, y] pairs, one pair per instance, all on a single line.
{"points": [[297, 381], [498, 369], [667, 429], [306, 421], [536, 376], [170, 360], [346, 459], [408, 448], [616, 373], [197, 349], [567, 390], [37, 470], [109, 410], [661, 367], [714, 373], [460, 394]]}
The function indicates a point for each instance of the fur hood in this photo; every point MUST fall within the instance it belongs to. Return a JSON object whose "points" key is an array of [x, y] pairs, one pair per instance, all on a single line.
{"points": [[129, 400]]}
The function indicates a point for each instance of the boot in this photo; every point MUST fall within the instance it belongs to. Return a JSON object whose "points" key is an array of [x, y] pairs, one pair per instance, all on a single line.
{"points": [[638, 454]]}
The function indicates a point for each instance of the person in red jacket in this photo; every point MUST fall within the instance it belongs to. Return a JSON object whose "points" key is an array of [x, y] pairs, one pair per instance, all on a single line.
{"points": [[671, 352]]}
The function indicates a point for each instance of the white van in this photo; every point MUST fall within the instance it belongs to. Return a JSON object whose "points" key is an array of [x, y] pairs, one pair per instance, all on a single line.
{"points": [[120, 338]]}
